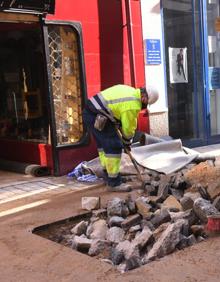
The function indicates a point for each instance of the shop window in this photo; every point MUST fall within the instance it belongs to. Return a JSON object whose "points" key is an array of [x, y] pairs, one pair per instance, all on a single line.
{"points": [[66, 78], [23, 91]]}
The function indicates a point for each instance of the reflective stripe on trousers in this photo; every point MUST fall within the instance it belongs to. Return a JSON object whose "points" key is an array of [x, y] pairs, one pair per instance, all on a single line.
{"points": [[109, 146]]}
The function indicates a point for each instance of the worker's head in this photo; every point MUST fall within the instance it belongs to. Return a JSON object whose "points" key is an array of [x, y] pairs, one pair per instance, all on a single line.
{"points": [[149, 96]]}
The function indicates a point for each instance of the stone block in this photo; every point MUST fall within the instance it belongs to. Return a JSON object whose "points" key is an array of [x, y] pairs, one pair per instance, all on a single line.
{"points": [[129, 250], [115, 221], [197, 230], [100, 248], [132, 263], [115, 234], [167, 241], [99, 229], [157, 232], [161, 217], [81, 243], [142, 207], [130, 204], [90, 203], [130, 221], [143, 238], [186, 203], [116, 256], [172, 203], [203, 209], [80, 228], [117, 206]]}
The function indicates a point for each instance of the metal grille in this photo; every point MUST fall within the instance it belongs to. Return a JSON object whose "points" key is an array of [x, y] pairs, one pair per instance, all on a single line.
{"points": [[65, 70]]}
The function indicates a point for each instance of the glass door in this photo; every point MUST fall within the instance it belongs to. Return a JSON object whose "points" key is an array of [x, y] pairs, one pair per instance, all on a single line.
{"points": [[185, 70], [212, 41]]}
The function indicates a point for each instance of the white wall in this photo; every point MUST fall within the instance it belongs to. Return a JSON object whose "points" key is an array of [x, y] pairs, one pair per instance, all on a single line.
{"points": [[152, 29]]}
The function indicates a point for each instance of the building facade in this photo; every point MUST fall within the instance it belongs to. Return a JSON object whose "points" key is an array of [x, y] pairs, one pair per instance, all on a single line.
{"points": [[53, 55], [182, 58]]}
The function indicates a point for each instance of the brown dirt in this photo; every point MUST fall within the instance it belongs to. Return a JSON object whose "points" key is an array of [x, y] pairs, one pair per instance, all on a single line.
{"points": [[27, 257]]}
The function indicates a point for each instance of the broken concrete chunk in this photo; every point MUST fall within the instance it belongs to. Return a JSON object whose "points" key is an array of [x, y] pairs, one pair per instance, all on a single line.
{"points": [[132, 263], [183, 243], [134, 228], [155, 184], [192, 195], [203, 209], [90, 203], [115, 234], [161, 217], [129, 250], [142, 207], [197, 230], [117, 206], [81, 243], [157, 232], [200, 239], [98, 230], [150, 190], [163, 188], [180, 182], [186, 203], [130, 221], [117, 256], [143, 238], [101, 248], [191, 240], [189, 215], [130, 204], [115, 221], [80, 228], [178, 194], [167, 241], [172, 203], [148, 224]]}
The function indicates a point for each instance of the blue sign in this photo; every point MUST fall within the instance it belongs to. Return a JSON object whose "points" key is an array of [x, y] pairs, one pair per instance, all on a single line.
{"points": [[214, 78], [153, 52]]}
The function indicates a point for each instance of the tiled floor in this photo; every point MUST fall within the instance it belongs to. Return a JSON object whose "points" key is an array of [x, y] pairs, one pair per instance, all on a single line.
{"points": [[16, 187]]}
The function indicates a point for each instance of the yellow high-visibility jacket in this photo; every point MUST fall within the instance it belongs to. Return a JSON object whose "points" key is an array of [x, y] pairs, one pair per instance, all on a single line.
{"points": [[123, 103]]}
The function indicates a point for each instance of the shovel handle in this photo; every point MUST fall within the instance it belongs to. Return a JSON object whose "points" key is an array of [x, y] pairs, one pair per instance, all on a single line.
{"points": [[130, 155]]}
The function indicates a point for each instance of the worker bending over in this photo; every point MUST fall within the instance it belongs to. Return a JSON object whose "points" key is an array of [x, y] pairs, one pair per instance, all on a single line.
{"points": [[119, 106]]}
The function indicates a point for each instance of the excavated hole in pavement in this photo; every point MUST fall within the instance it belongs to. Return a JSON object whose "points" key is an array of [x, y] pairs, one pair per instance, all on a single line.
{"points": [[127, 233], [127, 257]]}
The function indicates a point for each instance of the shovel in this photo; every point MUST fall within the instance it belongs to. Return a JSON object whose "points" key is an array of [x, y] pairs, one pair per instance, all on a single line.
{"points": [[132, 159]]}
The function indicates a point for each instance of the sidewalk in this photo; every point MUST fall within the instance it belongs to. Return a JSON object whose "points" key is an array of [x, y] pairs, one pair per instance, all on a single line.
{"points": [[27, 257]]}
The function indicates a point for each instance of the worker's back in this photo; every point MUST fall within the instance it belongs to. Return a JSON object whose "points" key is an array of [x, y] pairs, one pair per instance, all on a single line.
{"points": [[121, 98]]}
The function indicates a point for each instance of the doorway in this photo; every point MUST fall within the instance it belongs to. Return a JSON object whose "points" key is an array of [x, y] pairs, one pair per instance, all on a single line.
{"points": [[23, 103], [189, 27], [185, 85], [24, 115]]}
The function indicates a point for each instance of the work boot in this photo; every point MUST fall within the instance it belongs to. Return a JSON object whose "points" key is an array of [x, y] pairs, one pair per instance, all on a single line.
{"points": [[123, 187]]}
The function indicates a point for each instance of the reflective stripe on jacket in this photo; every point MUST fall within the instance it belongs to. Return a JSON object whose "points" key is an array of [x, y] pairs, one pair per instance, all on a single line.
{"points": [[120, 102]]}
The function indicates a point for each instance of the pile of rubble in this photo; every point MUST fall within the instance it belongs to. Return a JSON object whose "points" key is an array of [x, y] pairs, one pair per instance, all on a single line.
{"points": [[170, 215]]}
